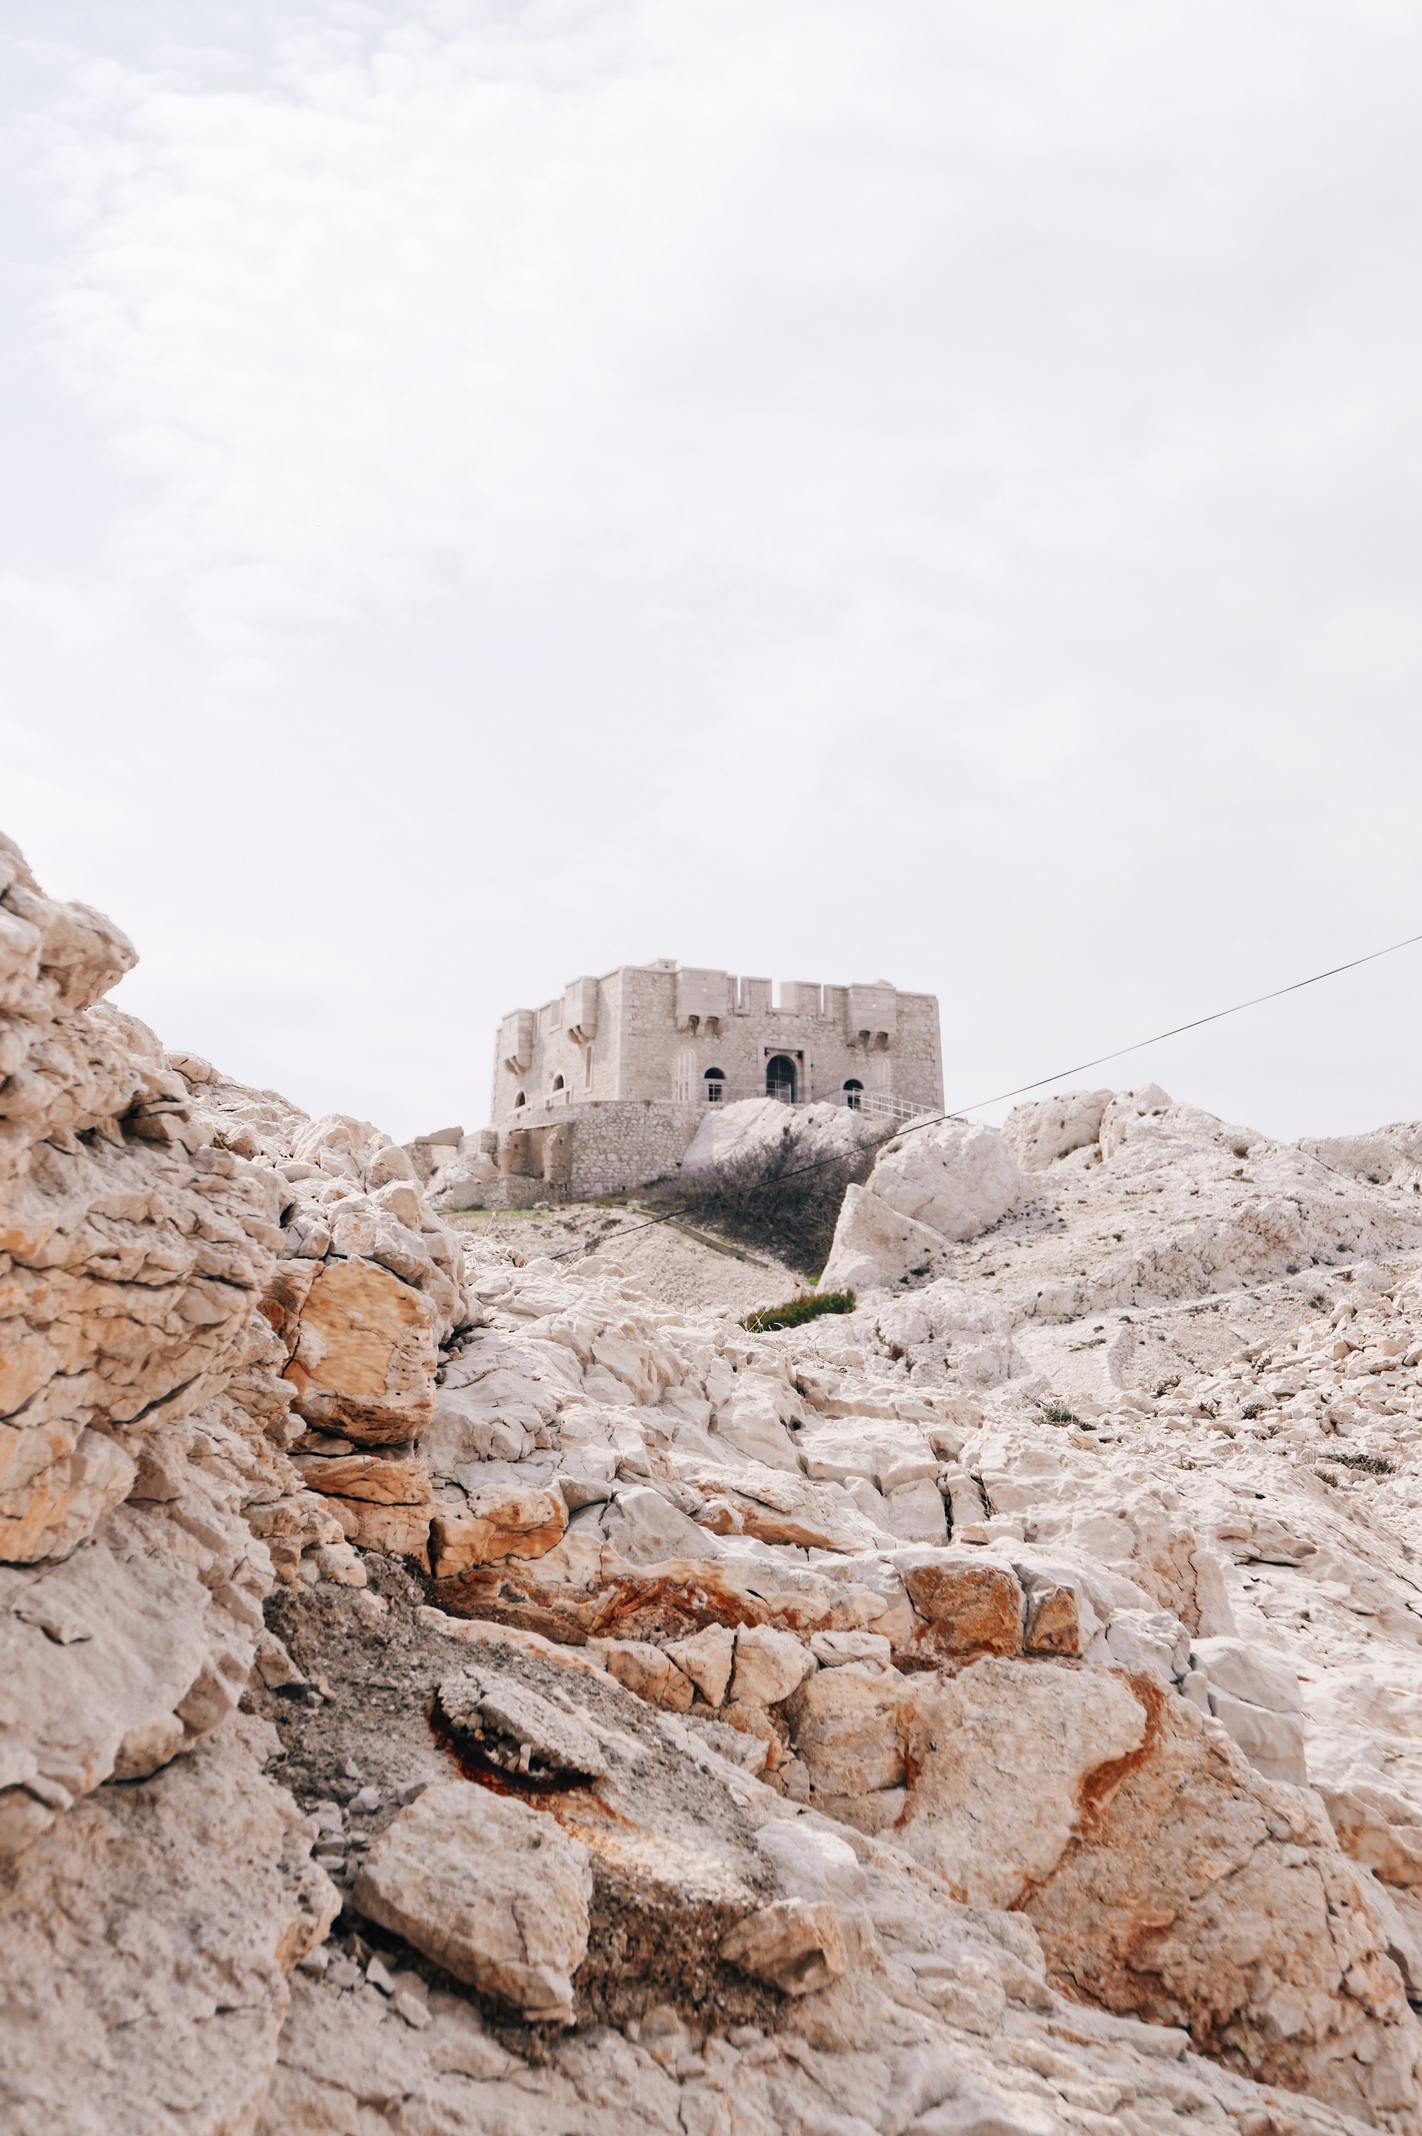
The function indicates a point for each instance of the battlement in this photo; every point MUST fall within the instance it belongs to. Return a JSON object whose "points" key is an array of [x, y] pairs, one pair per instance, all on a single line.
{"points": [[663, 1032]]}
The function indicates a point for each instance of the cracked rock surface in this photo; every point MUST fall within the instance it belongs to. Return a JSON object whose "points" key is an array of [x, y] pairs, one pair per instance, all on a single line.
{"points": [[443, 1687]]}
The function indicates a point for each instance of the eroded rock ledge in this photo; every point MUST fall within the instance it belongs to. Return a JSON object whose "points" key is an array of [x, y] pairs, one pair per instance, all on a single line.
{"points": [[443, 1688]]}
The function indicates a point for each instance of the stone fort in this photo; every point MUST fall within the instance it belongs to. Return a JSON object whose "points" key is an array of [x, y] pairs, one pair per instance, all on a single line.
{"points": [[604, 1086]]}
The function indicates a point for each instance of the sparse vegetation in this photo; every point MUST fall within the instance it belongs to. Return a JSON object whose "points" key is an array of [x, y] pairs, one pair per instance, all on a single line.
{"points": [[784, 1203], [808, 1305], [1097, 1342], [1364, 1464], [1058, 1413]]}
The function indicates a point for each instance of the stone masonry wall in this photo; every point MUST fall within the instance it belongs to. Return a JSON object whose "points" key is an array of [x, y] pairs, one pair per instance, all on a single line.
{"points": [[561, 1153], [652, 1032]]}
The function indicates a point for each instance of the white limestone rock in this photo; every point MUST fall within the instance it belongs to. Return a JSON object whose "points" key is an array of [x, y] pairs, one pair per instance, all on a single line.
{"points": [[769, 1665], [488, 1888], [874, 1246], [957, 1178], [811, 1862], [707, 1657], [148, 1942], [1046, 1129], [1255, 1695], [758, 1131], [793, 1946], [952, 1181]]}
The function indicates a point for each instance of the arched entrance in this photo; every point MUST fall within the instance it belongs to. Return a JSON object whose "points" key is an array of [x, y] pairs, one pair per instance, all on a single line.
{"points": [[780, 1078], [854, 1093]]}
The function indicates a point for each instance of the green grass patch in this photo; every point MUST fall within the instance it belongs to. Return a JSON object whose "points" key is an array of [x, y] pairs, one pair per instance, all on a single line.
{"points": [[807, 1306]]}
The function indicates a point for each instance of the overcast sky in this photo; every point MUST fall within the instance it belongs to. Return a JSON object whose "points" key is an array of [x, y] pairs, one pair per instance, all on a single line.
{"points": [[927, 490]]}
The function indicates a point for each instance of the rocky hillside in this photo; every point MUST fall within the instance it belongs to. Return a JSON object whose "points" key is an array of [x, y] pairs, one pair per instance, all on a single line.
{"points": [[450, 1688]]}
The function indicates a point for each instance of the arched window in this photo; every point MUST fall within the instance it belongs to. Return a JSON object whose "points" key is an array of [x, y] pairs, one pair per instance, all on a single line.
{"points": [[557, 1082], [520, 1099], [853, 1093], [780, 1078], [714, 1083]]}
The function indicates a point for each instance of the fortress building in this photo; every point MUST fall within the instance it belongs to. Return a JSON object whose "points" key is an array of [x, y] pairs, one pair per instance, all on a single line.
{"points": [[604, 1086]]}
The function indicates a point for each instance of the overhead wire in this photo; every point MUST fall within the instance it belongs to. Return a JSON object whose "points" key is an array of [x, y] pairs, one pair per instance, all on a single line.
{"points": [[1021, 1090]]}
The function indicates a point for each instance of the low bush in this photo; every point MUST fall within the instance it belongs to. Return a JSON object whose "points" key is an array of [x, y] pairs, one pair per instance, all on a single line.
{"points": [[1364, 1464], [808, 1306], [784, 1202]]}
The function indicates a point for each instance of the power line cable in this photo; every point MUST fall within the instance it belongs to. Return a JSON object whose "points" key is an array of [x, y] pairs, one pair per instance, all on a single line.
{"points": [[1098, 1060]]}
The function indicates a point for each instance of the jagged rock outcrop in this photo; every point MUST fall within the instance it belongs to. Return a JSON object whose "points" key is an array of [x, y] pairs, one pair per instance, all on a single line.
{"points": [[150, 1937], [169, 1246], [949, 1181], [991, 1708], [752, 1133]]}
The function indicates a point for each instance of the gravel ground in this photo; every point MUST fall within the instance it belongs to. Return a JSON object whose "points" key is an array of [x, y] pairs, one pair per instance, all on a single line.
{"points": [[673, 1264]]}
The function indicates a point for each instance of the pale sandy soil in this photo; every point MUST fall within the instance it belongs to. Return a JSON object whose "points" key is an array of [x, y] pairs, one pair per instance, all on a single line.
{"points": [[672, 1263]]}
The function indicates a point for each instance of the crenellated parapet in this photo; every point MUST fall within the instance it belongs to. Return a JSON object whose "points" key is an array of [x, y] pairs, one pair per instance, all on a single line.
{"points": [[691, 1035]]}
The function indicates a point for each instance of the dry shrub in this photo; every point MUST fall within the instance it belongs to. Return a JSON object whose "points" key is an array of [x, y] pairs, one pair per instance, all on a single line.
{"points": [[785, 1201]]}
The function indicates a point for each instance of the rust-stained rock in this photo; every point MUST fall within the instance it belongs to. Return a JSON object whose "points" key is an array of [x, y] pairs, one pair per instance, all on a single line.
{"points": [[496, 1523], [1203, 1895], [386, 1479], [1000, 1756], [1053, 1622], [516, 1730], [365, 1356], [969, 1603]]}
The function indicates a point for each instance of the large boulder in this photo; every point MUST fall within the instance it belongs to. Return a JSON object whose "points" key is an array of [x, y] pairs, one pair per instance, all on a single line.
{"points": [[1045, 1129], [875, 1246], [957, 1178], [753, 1132], [1205, 1896], [148, 1943], [489, 1889], [934, 1184]]}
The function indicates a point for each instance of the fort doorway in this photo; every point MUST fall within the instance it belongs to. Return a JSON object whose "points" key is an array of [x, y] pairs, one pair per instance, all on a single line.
{"points": [[780, 1078]]}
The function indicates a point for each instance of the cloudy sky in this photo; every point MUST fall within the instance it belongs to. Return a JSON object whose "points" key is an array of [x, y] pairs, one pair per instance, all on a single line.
{"points": [[501, 488]]}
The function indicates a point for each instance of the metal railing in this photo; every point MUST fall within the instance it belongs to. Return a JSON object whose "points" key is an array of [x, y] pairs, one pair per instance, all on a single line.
{"points": [[874, 1104]]}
